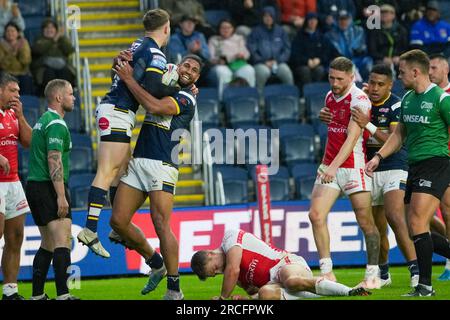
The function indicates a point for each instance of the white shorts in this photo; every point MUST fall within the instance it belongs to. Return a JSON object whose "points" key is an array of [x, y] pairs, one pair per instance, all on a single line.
{"points": [[114, 121], [385, 181], [13, 202], [151, 175], [289, 259], [348, 180]]}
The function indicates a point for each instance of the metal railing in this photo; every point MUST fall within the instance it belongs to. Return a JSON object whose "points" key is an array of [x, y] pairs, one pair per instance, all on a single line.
{"points": [[208, 175], [220, 191], [145, 5], [87, 99]]}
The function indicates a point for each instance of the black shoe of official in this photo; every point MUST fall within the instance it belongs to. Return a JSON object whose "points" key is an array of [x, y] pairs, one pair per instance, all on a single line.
{"points": [[14, 296], [360, 291], [45, 297], [420, 291]]}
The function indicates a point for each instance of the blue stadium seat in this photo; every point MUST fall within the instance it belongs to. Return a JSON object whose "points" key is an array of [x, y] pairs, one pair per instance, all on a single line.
{"points": [[213, 17], [314, 88], [398, 88], [302, 170], [279, 184], [230, 172], [304, 186], [256, 148], [296, 149], [30, 102], [81, 140], [282, 109], [208, 111], [227, 147], [24, 156], [236, 192], [73, 120], [280, 90], [207, 93], [33, 8], [230, 93], [242, 111], [81, 160], [32, 115], [33, 27], [296, 129], [313, 104], [79, 185]]}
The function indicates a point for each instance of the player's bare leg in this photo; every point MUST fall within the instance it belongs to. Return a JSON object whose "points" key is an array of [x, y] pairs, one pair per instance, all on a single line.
{"points": [[13, 233], [361, 203], [382, 226], [161, 204], [112, 156], [396, 216], [322, 199], [445, 210], [419, 213]]}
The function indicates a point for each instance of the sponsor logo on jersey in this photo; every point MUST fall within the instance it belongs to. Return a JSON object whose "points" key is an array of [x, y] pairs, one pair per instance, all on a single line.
{"points": [[362, 97], [413, 118], [55, 141], [384, 109], [37, 126], [424, 183], [103, 123], [8, 142], [337, 130], [426, 105], [251, 270], [351, 184]]}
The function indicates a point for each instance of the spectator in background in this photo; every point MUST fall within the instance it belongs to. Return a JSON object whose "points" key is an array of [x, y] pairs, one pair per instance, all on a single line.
{"points": [[444, 5], [193, 8], [385, 45], [410, 11], [50, 55], [328, 11], [247, 13], [270, 50], [293, 13], [229, 56], [363, 12], [10, 12], [313, 53], [350, 42], [15, 57], [431, 34], [186, 40]]}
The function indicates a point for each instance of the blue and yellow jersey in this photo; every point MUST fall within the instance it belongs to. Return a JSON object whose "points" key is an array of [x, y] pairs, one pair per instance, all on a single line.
{"points": [[384, 114], [155, 139], [149, 64]]}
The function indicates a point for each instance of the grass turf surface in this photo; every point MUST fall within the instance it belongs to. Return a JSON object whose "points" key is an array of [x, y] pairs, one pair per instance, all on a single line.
{"points": [[194, 289]]}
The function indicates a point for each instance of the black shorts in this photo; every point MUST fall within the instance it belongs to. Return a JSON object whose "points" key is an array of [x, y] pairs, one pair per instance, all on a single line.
{"points": [[43, 203], [430, 176]]}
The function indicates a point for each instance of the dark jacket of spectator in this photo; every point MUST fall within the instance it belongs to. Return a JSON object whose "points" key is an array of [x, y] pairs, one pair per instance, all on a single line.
{"points": [[328, 11], [244, 14], [266, 44], [387, 42]]}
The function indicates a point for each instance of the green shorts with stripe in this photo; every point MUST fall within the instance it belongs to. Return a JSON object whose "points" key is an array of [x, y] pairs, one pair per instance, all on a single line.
{"points": [[151, 175]]}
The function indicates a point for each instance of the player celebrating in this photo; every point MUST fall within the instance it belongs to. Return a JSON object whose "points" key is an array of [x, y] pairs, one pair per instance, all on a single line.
{"points": [[439, 70], [153, 172], [389, 180], [116, 118], [424, 120], [13, 203], [342, 169], [269, 272]]}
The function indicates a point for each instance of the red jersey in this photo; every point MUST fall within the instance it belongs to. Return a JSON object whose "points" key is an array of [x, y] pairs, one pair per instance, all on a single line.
{"points": [[337, 129], [257, 257], [9, 136]]}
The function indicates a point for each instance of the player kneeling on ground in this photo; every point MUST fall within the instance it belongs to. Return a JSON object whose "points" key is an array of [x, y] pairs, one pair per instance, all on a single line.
{"points": [[269, 272]]}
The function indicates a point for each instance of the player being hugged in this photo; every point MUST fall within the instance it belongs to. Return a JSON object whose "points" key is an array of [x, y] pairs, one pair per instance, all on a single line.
{"points": [[153, 172], [263, 271]]}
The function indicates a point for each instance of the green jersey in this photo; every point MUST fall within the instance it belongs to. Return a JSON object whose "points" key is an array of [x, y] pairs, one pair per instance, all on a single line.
{"points": [[49, 133], [426, 118]]}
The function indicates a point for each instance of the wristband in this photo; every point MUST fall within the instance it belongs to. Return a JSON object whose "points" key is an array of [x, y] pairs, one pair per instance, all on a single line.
{"points": [[371, 128], [377, 154]]}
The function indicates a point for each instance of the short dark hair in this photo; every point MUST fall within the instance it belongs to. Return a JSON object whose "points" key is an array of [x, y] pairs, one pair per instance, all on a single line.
{"points": [[383, 69], [11, 24], [438, 56], [195, 58], [155, 19], [342, 64], [198, 264], [54, 85], [6, 78], [48, 21], [418, 58]]}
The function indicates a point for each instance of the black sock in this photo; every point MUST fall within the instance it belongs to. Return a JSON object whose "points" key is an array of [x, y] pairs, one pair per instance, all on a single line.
{"points": [[413, 267], [96, 201], [384, 271], [173, 282], [441, 245], [41, 264], [61, 261], [155, 261], [424, 251], [112, 195]]}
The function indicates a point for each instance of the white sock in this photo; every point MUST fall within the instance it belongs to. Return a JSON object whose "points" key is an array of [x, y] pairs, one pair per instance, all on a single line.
{"points": [[447, 264], [38, 297], [326, 265], [10, 288], [326, 287], [429, 288], [372, 271], [292, 295]]}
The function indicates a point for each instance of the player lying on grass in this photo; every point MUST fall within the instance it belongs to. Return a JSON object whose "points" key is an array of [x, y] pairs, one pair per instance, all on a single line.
{"points": [[263, 271]]}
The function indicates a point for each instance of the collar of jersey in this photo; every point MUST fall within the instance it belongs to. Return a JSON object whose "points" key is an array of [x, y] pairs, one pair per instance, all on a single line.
{"points": [[339, 99], [54, 111], [382, 102]]}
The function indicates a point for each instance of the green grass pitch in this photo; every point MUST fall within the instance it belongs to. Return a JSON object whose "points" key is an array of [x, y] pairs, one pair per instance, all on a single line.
{"points": [[194, 289]]}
